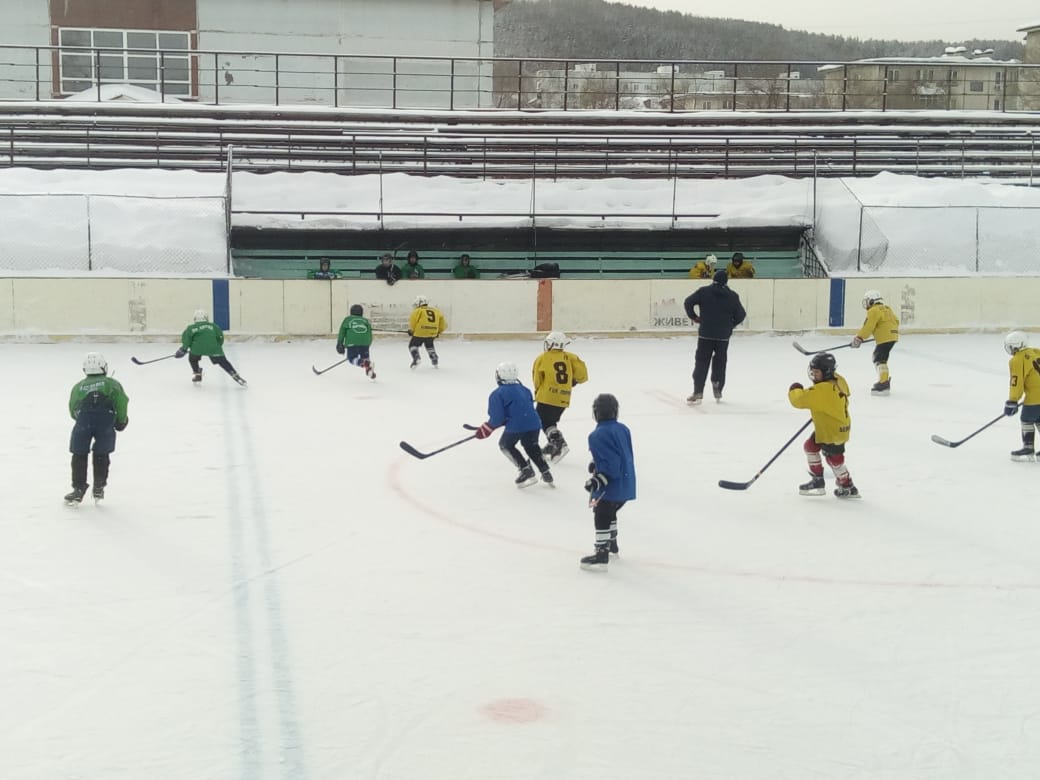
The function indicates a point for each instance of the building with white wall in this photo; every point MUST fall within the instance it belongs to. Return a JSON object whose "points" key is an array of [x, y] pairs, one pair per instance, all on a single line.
{"points": [[333, 52]]}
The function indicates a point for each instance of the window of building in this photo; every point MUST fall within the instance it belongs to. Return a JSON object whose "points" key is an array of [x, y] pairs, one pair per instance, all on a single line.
{"points": [[154, 60], [893, 76], [996, 77], [996, 104], [975, 86]]}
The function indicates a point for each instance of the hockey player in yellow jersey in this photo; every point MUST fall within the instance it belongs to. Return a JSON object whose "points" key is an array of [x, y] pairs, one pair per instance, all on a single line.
{"points": [[828, 403], [882, 325], [1025, 387], [426, 324], [704, 269], [555, 372]]}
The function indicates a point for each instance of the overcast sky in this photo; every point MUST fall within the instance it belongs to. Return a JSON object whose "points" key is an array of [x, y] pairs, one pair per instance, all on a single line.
{"points": [[889, 19]]}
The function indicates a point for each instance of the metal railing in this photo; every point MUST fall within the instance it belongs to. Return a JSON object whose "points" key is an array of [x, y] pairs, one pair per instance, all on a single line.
{"points": [[221, 77]]}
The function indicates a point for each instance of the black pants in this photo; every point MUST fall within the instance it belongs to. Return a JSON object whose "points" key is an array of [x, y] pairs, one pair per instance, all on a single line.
{"points": [[219, 360], [713, 353], [529, 441]]}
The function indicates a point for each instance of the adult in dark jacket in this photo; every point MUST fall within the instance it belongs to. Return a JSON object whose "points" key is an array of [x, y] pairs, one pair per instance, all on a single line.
{"points": [[388, 270], [720, 311]]}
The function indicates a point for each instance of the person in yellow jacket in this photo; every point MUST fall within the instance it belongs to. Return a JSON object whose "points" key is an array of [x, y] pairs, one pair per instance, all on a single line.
{"points": [[828, 403], [739, 268], [1025, 386], [424, 326], [705, 269], [555, 372], [882, 325]]}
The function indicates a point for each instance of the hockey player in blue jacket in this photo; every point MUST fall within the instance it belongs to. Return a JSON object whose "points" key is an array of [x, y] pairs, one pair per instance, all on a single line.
{"points": [[512, 405], [613, 480]]}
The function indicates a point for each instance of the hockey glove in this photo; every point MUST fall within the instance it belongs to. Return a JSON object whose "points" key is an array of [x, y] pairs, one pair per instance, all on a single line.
{"points": [[121, 426], [1011, 408], [856, 341], [484, 431], [596, 482], [592, 467], [796, 386], [340, 348], [696, 319], [180, 353], [410, 332]]}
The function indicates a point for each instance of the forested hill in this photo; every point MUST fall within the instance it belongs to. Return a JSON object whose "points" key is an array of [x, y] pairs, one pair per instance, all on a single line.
{"points": [[591, 29]]}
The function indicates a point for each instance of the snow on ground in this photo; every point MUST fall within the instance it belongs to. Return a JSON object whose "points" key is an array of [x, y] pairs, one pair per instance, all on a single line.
{"points": [[273, 589]]}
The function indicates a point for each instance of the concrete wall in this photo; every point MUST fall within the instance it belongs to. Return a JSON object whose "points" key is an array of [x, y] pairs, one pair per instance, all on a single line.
{"points": [[59, 307], [421, 28]]}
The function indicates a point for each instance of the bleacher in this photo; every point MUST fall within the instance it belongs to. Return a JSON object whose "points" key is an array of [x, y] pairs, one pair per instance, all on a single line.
{"points": [[361, 264]]}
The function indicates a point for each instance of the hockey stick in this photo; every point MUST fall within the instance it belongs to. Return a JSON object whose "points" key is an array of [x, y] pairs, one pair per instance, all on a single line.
{"points": [[146, 362], [805, 351], [727, 485], [947, 443], [320, 371], [423, 455]]}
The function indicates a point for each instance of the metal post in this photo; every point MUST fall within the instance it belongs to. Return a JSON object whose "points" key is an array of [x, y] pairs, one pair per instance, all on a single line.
{"points": [[859, 241], [520, 85], [789, 86], [277, 80], [671, 90], [844, 87], [216, 79], [451, 91], [38, 73], [97, 72], [227, 205], [815, 180], [335, 80], [884, 90], [381, 225], [736, 79], [566, 83], [976, 240], [393, 98], [162, 76], [90, 245], [617, 85]]}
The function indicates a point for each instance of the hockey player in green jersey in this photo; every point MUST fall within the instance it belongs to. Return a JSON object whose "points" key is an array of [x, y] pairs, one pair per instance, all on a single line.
{"points": [[98, 404], [205, 339], [355, 337]]}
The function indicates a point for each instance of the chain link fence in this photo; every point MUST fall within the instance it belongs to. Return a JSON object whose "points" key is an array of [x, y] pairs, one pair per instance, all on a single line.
{"points": [[113, 233]]}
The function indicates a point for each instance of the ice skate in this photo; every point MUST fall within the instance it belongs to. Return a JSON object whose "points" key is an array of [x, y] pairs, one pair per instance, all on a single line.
{"points": [[814, 487], [598, 560], [415, 360], [613, 547], [716, 389], [435, 361], [239, 379], [1025, 455], [846, 491], [695, 399], [99, 493], [881, 388], [196, 377], [526, 478], [75, 498], [547, 478], [558, 452], [370, 368]]}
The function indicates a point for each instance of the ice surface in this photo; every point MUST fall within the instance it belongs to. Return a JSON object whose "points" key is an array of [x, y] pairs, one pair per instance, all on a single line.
{"points": [[273, 589]]}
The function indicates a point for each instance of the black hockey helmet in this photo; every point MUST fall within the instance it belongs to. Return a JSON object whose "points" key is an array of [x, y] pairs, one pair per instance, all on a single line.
{"points": [[825, 362], [605, 407], [356, 310]]}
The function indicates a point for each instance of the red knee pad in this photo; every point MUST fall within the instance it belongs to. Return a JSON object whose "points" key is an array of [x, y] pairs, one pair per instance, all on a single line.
{"points": [[835, 460]]}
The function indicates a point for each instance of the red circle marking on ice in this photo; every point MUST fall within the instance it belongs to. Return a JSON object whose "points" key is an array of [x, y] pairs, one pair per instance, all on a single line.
{"points": [[515, 710]]}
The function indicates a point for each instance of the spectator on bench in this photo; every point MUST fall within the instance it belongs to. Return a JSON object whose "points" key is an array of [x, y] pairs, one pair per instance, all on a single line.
{"points": [[388, 270], [705, 269], [739, 268], [464, 270], [413, 270], [323, 272]]}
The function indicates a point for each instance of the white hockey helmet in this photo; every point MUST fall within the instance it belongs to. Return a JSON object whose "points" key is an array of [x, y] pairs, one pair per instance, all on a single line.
{"points": [[420, 300], [94, 363], [200, 315], [1014, 341], [710, 261], [507, 374], [870, 297], [556, 340]]}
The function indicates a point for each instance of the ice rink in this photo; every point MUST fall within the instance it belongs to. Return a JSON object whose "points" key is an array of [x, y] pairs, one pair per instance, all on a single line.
{"points": [[273, 589]]}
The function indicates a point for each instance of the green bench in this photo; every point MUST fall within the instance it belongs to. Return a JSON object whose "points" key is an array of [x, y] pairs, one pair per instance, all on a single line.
{"points": [[361, 264]]}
